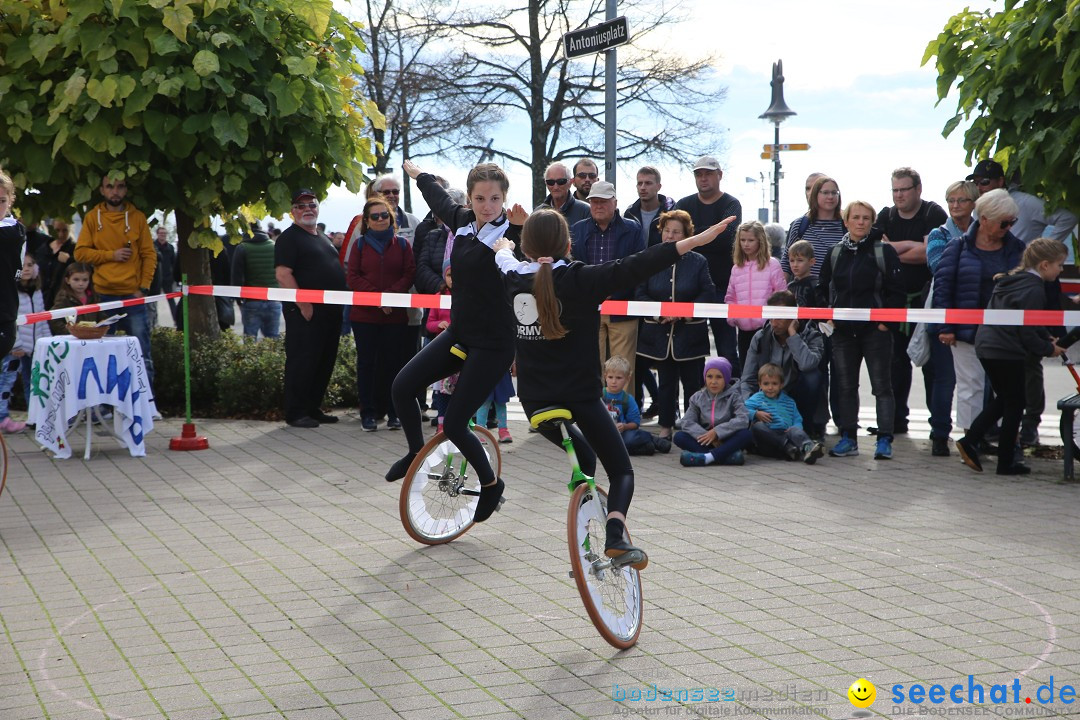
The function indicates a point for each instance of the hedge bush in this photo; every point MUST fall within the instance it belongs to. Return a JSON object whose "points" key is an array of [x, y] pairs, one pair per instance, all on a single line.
{"points": [[236, 376]]}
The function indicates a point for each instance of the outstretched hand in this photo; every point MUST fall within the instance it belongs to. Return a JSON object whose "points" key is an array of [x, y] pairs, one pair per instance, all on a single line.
{"points": [[411, 169], [719, 227], [503, 244], [517, 215]]}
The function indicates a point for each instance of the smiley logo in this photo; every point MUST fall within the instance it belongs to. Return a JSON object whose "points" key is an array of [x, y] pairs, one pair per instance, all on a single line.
{"points": [[862, 693]]}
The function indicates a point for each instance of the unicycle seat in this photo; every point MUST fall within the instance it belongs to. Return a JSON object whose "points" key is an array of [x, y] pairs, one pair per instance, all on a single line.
{"points": [[459, 351], [553, 414]]}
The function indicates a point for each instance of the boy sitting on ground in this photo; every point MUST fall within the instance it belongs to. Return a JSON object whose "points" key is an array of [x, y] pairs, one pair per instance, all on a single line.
{"points": [[625, 412], [775, 422]]}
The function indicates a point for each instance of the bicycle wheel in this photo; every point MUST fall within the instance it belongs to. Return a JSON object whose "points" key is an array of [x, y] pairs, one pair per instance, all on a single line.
{"points": [[612, 596], [439, 493]]}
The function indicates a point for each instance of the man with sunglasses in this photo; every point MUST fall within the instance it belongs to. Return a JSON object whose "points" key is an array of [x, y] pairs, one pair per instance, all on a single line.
{"points": [[1031, 222], [305, 259], [905, 225], [585, 174], [557, 179]]}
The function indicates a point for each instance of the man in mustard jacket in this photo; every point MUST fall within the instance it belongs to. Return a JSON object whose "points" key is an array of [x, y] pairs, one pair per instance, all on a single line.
{"points": [[115, 239]]}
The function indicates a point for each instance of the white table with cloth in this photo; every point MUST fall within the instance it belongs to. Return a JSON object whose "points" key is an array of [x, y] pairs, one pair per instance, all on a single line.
{"points": [[70, 378]]}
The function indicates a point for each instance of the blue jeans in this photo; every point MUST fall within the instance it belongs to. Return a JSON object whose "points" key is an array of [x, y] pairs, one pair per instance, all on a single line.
{"points": [[806, 392], [264, 315], [941, 392], [736, 441], [9, 370], [136, 324], [638, 441]]}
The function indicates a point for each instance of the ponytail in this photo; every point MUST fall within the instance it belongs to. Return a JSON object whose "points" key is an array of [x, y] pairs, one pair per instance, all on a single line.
{"points": [[546, 235], [547, 305]]}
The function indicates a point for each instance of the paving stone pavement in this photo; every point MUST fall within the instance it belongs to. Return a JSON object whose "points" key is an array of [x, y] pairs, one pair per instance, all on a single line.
{"points": [[270, 577]]}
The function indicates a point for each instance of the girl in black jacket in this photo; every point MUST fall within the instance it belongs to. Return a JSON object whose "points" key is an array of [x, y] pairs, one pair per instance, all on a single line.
{"points": [[1002, 348], [557, 318], [480, 321]]}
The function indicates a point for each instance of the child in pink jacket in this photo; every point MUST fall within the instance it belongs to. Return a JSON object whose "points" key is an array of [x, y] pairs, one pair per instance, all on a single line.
{"points": [[755, 275]]}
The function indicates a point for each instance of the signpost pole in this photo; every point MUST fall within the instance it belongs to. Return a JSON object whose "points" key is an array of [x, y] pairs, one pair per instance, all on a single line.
{"points": [[609, 109]]}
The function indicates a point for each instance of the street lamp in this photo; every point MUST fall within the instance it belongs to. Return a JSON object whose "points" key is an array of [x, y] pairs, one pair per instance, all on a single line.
{"points": [[777, 113]]}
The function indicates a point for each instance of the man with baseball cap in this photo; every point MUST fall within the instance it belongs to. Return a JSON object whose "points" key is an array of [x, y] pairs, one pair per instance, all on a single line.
{"points": [[602, 237], [304, 258], [709, 206]]}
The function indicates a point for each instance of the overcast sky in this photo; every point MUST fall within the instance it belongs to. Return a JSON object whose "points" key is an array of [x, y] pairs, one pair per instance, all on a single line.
{"points": [[852, 73]]}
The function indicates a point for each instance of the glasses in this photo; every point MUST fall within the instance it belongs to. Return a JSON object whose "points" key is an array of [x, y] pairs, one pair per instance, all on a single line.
{"points": [[1006, 224], [390, 192], [586, 176], [305, 206], [551, 182], [379, 216], [897, 191], [983, 182], [830, 193], [958, 201]]}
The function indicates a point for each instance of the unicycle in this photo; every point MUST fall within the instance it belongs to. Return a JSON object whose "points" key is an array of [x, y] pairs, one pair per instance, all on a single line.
{"points": [[610, 588], [439, 493]]}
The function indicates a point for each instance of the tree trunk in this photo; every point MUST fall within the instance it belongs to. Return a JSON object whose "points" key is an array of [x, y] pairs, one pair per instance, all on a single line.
{"points": [[203, 322]]}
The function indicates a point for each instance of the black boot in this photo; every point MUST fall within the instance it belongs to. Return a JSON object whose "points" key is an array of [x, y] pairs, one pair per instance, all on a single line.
{"points": [[617, 544], [490, 499], [399, 468]]}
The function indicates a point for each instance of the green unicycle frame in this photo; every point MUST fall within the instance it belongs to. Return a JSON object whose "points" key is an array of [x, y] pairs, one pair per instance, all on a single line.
{"points": [[610, 588]]}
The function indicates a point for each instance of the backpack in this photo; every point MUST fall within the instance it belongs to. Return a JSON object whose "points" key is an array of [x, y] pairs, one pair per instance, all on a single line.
{"points": [[879, 256]]}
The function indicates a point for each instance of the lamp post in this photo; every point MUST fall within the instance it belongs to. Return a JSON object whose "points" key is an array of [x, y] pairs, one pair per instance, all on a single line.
{"points": [[777, 113]]}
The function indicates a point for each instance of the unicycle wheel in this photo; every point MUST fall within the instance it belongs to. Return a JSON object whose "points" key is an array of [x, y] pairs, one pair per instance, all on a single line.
{"points": [[439, 492], [612, 596]]}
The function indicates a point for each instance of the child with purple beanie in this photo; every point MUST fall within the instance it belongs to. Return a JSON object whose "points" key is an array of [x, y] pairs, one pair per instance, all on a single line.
{"points": [[715, 428]]}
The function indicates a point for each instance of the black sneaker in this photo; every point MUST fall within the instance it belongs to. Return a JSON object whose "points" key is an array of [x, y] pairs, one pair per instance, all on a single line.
{"points": [[368, 424], [1014, 469], [324, 418], [650, 412], [304, 422], [393, 424], [616, 547], [663, 445], [939, 447]]}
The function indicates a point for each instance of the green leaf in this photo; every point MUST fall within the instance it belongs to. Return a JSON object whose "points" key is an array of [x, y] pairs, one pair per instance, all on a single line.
{"points": [[117, 145], [42, 45], [304, 66], [46, 86], [116, 6], [165, 43], [160, 127], [59, 140], [96, 135], [138, 100], [195, 124], [253, 104], [221, 38], [177, 19], [205, 63], [282, 94], [314, 13], [102, 90], [230, 128]]}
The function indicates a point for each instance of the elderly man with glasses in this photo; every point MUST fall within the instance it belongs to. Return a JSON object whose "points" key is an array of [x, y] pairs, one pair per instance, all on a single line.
{"points": [[905, 226], [388, 186], [557, 179]]}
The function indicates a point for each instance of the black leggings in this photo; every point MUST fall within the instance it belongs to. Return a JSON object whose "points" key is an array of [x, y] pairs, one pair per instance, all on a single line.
{"points": [[480, 373], [1007, 379], [592, 418]]}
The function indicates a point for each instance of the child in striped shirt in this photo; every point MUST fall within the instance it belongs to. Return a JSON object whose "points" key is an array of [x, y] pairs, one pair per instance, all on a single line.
{"points": [[775, 422]]}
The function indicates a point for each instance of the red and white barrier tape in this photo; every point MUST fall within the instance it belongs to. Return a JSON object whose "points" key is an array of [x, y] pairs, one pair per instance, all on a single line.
{"points": [[31, 318], [1050, 318]]}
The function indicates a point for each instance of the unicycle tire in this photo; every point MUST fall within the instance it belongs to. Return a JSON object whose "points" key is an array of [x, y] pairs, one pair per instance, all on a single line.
{"points": [[3, 464], [433, 508], [611, 596]]}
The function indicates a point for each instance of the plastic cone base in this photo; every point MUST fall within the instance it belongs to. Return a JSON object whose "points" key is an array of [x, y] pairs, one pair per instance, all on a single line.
{"points": [[188, 440]]}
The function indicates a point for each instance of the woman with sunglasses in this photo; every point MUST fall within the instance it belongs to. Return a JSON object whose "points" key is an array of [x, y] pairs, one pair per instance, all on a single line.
{"points": [[381, 261], [964, 278], [481, 323]]}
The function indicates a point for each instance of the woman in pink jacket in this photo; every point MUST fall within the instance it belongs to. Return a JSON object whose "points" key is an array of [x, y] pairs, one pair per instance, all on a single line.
{"points": [[755, 276]]}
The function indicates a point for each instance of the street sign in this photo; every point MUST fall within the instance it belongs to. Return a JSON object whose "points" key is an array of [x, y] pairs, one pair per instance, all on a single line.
{"points": [[766, 156], [597, 38], [770, 148]]}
